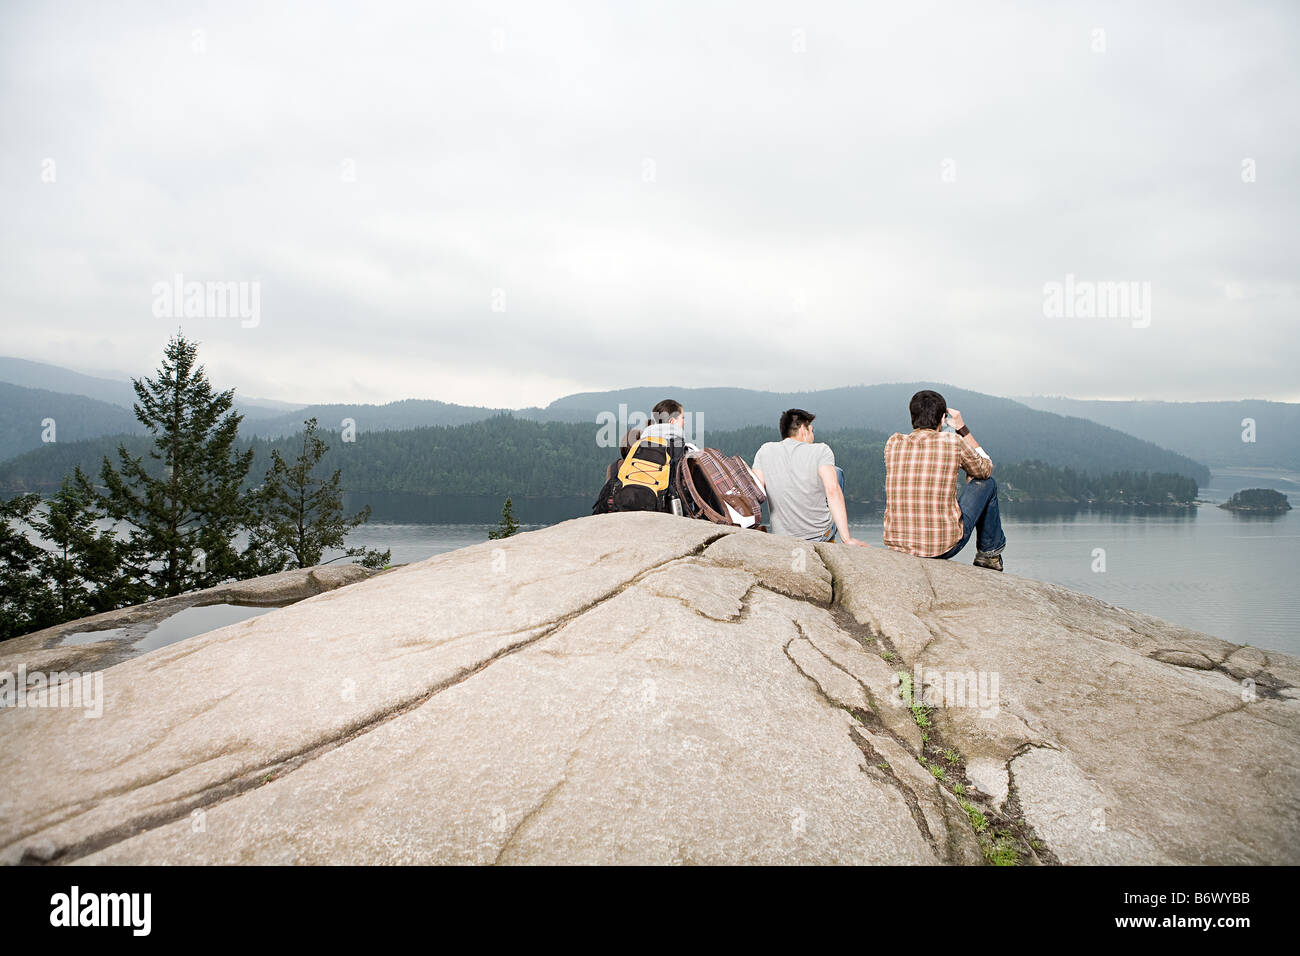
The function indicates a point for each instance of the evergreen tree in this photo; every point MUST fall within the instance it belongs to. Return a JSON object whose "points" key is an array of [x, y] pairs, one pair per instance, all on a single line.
{"points": [[300, 516], [84, 563], [186, 507], [508, 525], [26, 601]]}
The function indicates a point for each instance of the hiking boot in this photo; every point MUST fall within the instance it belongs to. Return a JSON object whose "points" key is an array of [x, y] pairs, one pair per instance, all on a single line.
{"points": [[991, 561]]}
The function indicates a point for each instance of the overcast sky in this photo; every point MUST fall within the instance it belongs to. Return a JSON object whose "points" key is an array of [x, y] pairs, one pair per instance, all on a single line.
{"points": [[502, 203]]}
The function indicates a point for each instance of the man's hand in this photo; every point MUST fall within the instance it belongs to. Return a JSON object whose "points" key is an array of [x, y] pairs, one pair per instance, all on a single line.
{"points": [[978, 468], [858, 541], [835, 500]]}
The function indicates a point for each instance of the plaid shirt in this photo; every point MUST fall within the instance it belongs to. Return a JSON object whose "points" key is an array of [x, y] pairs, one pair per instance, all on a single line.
{"points": [[921, 512]]}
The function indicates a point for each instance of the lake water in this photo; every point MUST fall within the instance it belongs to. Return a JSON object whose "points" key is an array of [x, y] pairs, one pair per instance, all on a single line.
{"points": [[1227, 574]]}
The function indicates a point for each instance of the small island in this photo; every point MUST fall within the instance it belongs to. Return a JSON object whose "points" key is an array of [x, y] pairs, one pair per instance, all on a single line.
{"points": [[1264, 501]]}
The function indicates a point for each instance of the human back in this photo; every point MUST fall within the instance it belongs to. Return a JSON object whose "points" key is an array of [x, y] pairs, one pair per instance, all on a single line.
{"points": [[922, 516], [796, 496]]}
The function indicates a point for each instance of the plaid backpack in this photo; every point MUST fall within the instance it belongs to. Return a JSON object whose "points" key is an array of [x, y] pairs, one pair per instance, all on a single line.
{"points": [[720, 489]]}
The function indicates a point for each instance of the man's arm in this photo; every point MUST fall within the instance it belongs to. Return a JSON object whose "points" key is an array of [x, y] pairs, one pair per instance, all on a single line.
{"points": [[756, 469], [974, 459], [835, 501]]}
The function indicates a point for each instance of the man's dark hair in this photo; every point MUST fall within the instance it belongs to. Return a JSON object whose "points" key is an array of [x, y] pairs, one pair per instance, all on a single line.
{"points": [[794, 419], [666, 410], [927, 409]]}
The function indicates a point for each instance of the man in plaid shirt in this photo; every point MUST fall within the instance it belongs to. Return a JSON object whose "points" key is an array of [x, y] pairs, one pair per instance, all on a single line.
{"points": [[924, 513]]}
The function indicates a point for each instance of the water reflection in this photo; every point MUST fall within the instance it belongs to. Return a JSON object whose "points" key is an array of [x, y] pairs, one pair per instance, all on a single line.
{"points": [[1262, 517], [1047, 513], [196, 620]]}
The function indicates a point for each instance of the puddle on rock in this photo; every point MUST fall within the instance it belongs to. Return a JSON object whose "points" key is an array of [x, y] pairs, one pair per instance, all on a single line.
{"points": [[194, 621]]}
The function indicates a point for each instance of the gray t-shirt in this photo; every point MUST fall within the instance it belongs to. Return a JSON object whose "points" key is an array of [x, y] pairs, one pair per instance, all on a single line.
{"points": [[796, 497]]}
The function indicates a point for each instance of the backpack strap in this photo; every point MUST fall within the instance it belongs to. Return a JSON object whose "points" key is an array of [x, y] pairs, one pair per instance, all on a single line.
{"points": [[701, 506], [644, 463]]}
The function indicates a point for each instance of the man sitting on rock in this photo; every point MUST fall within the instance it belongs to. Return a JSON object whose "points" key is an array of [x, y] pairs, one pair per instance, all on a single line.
{"points": [[924, 514], [805, 488]]}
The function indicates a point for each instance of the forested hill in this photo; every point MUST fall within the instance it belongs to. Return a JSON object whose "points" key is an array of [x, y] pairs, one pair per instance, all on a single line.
{"points": [[505, 455], [82, 406], [502, 455], [1010, 430], [114, 391], [1226, 434], [394, 416], [27, 412]]}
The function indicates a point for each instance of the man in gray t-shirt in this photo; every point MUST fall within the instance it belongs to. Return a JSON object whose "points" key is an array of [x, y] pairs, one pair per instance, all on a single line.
{"points": [[805, 491]]}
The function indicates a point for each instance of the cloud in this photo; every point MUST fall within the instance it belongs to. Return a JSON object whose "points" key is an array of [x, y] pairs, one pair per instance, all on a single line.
{"points": [[500, 205]]}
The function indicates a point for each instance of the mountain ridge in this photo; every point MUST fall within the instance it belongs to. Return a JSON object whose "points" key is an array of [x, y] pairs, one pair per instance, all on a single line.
{"points": [[1008, 427], [1216, 433]]}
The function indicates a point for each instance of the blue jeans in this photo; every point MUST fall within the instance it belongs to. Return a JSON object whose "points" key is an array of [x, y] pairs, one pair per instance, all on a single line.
{"points": [[979, 513], [833, 534]]}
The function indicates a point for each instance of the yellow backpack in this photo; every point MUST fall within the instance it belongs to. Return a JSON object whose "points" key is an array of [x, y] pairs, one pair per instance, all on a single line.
{"points": [[646, 476]]}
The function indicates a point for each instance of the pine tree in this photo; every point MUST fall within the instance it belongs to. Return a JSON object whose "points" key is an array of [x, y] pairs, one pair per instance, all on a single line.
{"points": [[83, 563], [300, 516], [26, 601], [508, 525], [186, 510]]}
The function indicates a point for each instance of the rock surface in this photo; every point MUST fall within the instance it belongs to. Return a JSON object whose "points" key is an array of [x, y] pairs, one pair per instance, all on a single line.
{"points": [[643, 688]]}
